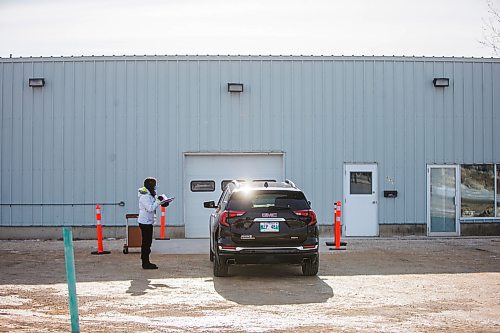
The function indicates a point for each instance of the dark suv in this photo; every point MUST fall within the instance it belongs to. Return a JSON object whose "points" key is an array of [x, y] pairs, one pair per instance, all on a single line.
{"points": [[263, 223]]}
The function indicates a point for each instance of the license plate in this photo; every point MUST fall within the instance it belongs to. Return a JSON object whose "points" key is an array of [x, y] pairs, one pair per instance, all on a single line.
{"points": [[269, 227]]}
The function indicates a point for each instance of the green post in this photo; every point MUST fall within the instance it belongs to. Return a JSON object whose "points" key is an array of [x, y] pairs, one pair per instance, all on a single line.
{"points": [[70, 275]]}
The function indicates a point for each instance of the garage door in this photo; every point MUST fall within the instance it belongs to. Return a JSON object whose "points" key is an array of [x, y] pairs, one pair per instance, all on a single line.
{"points": [[205, 175]]}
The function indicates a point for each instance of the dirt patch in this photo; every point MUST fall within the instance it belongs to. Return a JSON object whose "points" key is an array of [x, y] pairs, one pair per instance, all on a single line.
{"points": [[426, 285]]}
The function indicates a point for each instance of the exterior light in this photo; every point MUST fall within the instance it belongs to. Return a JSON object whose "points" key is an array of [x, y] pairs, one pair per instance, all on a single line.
{"points": [[36, 82], [235, 87], [441, 82]]}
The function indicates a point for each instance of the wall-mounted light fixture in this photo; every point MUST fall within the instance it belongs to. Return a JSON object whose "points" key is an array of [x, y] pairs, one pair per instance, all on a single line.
{"points": [[36, 82], [441, 82], [235, 87]]}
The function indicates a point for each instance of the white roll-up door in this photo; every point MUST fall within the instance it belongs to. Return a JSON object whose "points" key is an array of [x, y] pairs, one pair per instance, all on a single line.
{"points": [[204, 175]]}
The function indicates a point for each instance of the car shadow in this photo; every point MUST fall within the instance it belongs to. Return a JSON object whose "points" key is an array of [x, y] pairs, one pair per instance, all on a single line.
{"points": [[280, 284]]}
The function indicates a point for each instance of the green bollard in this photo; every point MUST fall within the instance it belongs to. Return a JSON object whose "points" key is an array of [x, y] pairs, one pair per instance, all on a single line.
{"points": [[70, 275]]}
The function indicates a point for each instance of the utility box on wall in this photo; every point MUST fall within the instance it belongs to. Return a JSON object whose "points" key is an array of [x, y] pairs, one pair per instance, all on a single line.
{"points": [[390, 194]]}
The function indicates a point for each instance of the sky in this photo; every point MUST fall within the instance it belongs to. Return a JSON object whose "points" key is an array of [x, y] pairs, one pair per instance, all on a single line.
{"points": [[257, 27]]}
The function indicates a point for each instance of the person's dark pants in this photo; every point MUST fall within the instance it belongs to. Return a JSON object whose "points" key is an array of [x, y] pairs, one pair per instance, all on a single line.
{"points": [[147, 239]]}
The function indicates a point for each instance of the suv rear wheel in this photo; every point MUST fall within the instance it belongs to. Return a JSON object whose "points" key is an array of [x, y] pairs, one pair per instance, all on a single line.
{"points": [[310, 268], [220, 267]]}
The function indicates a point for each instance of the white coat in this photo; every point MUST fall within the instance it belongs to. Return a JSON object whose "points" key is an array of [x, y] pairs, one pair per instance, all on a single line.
{"points": [[147, 206]]}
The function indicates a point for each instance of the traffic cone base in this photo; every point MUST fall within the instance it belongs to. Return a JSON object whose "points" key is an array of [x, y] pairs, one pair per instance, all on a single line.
{"points": [[103, 252], [342, 243], [337, 243]]}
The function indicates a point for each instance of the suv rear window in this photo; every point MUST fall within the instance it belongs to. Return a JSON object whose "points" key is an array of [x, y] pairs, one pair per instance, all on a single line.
{"points": [[244, 200]]}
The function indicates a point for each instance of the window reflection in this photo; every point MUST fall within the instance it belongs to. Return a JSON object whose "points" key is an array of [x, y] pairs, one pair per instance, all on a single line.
{"points": [[361, 183], [443, 192], [478, 190], [498, 189]]}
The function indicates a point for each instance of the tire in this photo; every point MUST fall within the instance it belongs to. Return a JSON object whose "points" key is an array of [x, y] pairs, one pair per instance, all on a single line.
{"points": [[212, 255], [220, 268], [310, 268]]}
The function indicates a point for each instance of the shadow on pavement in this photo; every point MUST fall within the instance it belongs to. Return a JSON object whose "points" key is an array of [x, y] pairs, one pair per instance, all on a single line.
{"points": [[138, 287], [279, 284]]}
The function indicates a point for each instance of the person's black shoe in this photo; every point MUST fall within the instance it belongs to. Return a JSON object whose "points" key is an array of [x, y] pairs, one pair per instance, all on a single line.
{"points": [[148, 265]]}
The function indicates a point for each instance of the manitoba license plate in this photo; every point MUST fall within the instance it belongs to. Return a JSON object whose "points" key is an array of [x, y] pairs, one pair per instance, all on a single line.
{"points": [[269, 227]]}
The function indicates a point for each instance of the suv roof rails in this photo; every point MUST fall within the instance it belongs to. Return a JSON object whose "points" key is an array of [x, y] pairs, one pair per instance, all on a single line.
{"points": [[238, 184], [289, 182]]}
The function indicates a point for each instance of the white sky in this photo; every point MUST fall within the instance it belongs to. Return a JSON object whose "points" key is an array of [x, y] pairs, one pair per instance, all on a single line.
{"points": [[328, 27]]}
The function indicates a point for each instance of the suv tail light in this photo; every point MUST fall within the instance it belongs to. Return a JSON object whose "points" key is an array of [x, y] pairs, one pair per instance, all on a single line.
{"points": [[307, 213], [229, 213]]}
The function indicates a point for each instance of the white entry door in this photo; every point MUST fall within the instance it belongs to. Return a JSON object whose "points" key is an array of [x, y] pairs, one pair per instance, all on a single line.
{"points": [[205, 176], [361, 200]]}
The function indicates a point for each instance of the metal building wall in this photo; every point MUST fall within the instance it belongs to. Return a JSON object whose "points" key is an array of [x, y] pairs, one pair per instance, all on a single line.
{"points": [[102, 124]]}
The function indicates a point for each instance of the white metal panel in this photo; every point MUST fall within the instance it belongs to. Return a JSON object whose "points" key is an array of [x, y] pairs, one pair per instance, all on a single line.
{"points": [[6, 138], [219, 168], [18, 162]]}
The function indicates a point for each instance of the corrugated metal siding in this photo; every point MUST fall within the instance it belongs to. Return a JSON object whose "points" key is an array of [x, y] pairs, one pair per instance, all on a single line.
{"points": [[100, 125]]}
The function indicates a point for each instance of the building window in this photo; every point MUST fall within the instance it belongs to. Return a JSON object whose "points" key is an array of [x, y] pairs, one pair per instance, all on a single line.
{"points": [[224, 183], [477, 189], [361, 183], [202, 186]]}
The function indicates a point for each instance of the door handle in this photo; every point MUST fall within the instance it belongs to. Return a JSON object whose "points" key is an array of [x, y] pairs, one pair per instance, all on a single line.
{"points": [[374, 202]]}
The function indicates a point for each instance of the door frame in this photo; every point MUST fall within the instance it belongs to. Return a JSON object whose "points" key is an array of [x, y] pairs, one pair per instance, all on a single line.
{"points": [[345, 186], [457, 199]]}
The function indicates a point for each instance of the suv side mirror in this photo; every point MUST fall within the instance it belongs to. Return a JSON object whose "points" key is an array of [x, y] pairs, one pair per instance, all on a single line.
{"points": [[209, 204]]}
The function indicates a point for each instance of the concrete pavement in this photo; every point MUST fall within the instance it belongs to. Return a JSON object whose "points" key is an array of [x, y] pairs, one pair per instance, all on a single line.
{"points": [[197, 246]]}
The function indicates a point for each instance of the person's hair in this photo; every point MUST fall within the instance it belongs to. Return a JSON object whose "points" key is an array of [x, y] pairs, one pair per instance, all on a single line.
{"points": [[150, 184]]}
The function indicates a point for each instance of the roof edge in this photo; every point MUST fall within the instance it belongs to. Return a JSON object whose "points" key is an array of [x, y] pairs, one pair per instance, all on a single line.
{"points": [[238, 57]]}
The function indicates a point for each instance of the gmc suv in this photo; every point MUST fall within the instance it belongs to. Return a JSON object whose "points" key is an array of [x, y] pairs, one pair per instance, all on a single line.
{"points": [[263, 223]]}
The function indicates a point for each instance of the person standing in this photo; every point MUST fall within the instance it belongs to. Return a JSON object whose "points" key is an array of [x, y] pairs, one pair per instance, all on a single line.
{"points": [[148, 202]]}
